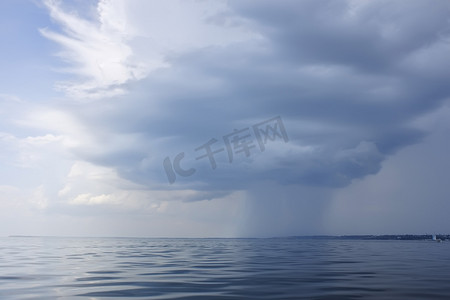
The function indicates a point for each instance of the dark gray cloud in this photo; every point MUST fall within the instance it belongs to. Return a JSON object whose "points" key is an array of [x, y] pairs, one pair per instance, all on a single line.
{"points": [[347, 78], [371, 36]]}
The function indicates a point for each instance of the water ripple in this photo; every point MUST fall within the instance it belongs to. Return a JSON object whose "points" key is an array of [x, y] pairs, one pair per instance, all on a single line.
{"points": [[70, 268]]}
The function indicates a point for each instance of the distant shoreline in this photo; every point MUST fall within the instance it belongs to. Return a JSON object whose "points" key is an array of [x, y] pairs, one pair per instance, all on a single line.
{"points": [[396, 237]]}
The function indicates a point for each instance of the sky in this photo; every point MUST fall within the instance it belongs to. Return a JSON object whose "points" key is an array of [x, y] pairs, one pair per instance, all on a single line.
{"points": [[197, 118]]}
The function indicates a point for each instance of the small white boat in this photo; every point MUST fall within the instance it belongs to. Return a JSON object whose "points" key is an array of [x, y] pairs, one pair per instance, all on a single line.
{"points": [[433, 237]]}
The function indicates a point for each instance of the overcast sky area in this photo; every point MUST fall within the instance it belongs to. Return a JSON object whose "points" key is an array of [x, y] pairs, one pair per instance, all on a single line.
{"points": [[198, 118]]}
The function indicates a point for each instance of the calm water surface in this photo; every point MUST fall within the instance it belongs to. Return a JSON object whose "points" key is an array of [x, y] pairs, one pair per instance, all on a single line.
{"points": [[112, 268]]}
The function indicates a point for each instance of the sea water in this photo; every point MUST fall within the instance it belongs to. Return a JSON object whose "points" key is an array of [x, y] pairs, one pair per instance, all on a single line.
{"points": [[291, 268]]}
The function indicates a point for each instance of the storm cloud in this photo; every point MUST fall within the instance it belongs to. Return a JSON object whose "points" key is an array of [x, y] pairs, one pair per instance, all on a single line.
{"points": [[148, 84], [347, 78]]}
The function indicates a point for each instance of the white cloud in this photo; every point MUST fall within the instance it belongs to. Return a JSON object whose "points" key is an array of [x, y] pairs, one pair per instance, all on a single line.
{"points": [[129, 39], [91, 185], [29, 151], [97, 52], [88, 199]]}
